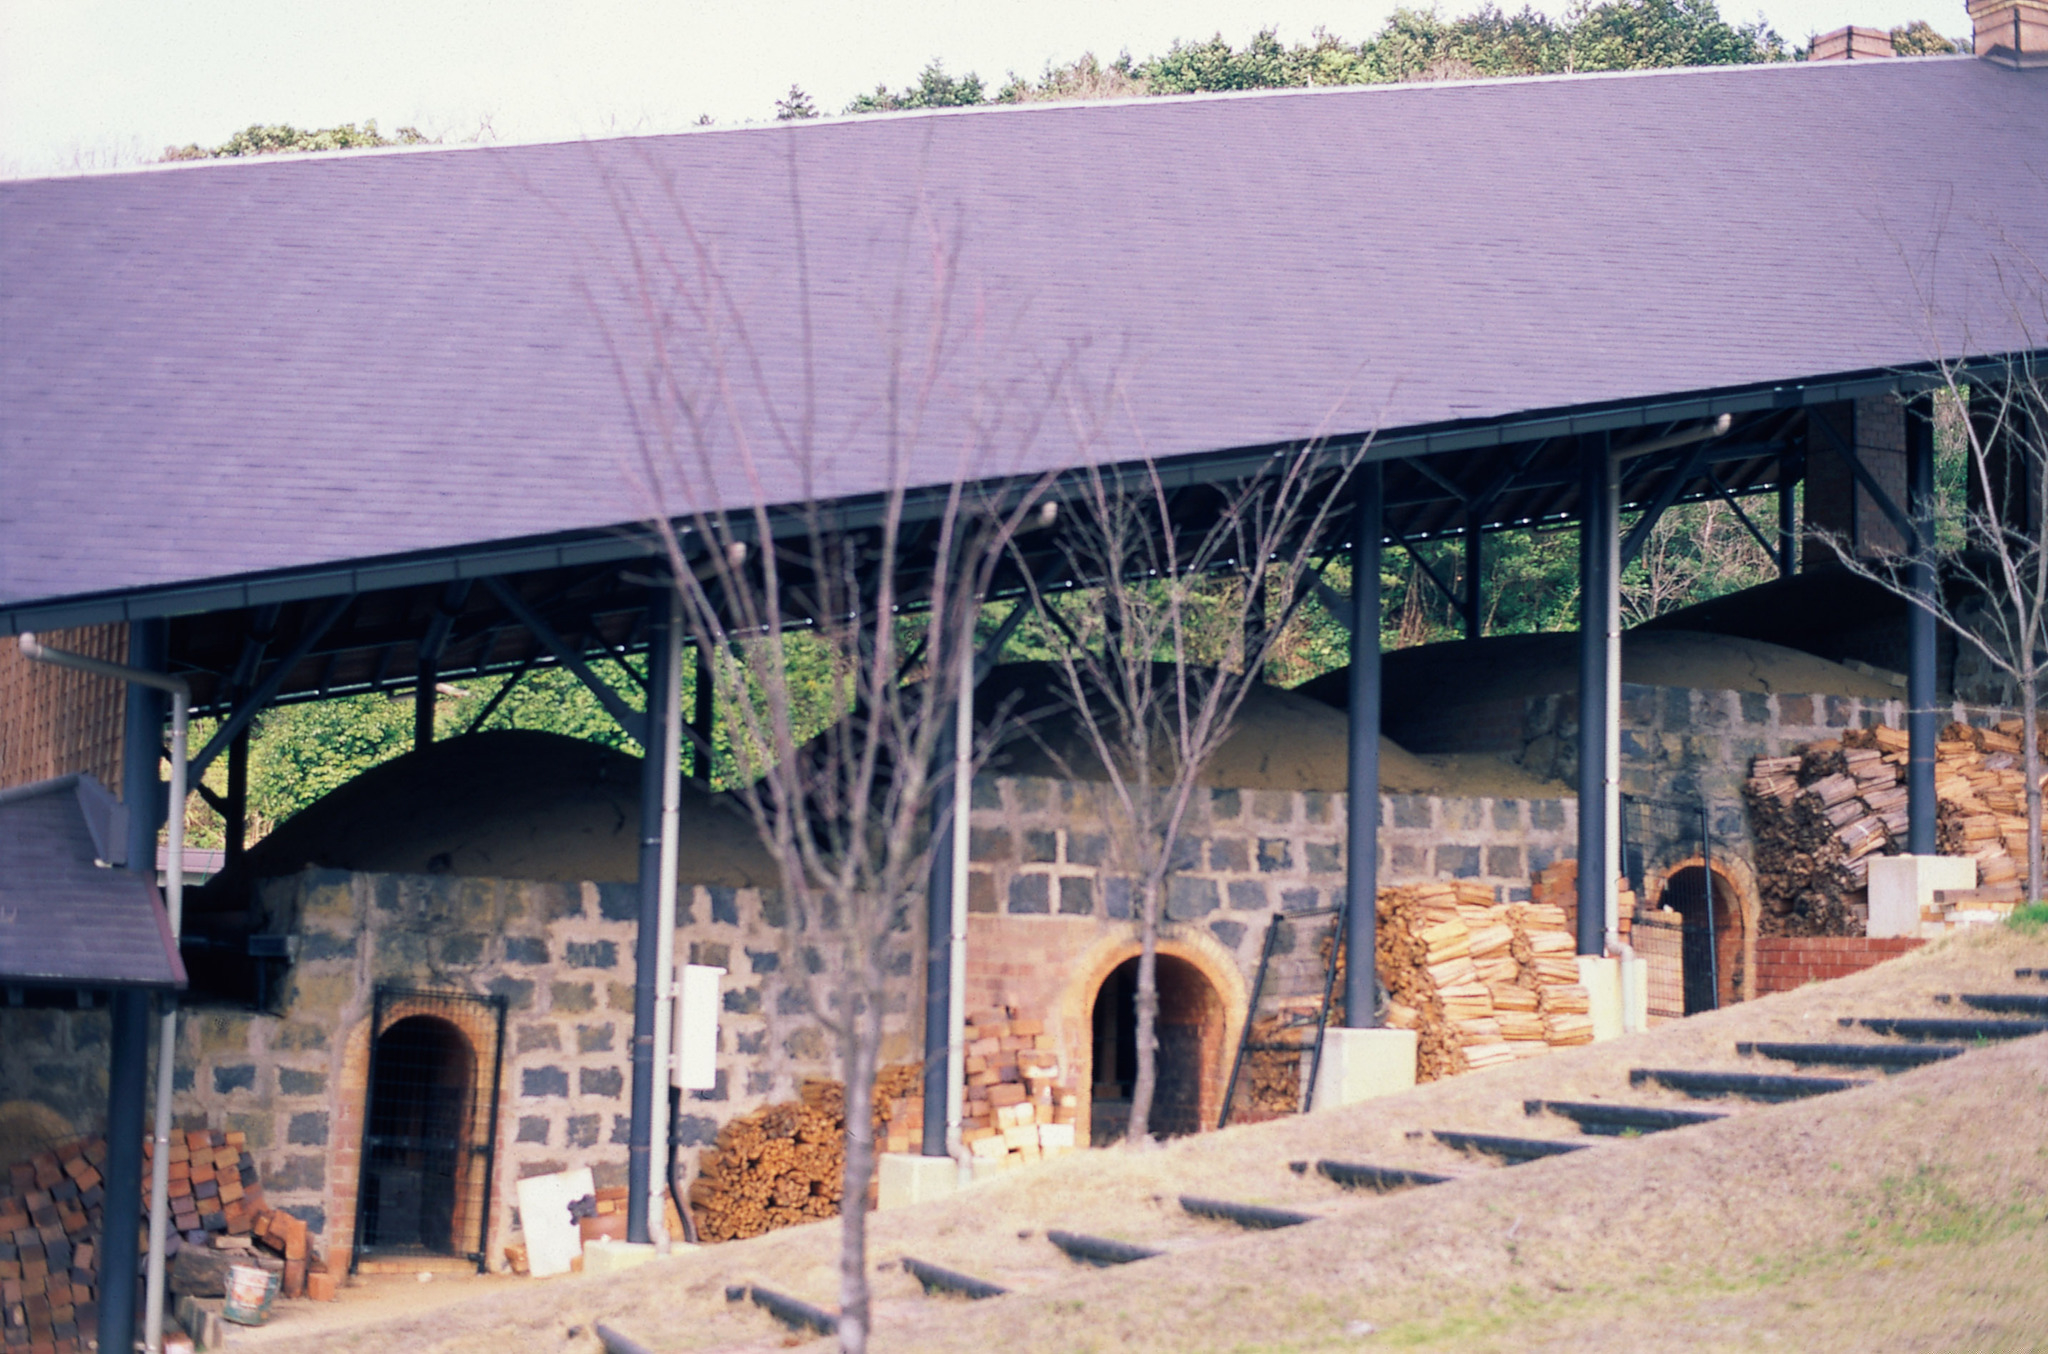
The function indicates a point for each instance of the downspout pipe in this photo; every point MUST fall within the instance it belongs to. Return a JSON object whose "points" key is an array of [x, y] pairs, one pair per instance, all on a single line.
{"points": [[174, 906]]}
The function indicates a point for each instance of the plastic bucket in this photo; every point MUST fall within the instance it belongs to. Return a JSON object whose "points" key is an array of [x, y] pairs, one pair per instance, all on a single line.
{"points": [[251, 1291]]}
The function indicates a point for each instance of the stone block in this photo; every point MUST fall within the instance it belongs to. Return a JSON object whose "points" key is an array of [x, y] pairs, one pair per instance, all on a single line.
{"points": [[774, 909], [1246, 895], [296, 1171], [1119, 898], [315, 946], [1087, 848], [1230, 853], [1225, 805], [1300, 900], [1188, 898], [1507, 814], [1795, 712], [1041, 846], [1324, 857], [1231, 933], [1505, 862], [534, 1128], [606, 1082], [1273, 806], [725, 907], [308, 1129], [536, 1083], [517, 992], [300, 1081], [1364, 1065], [1458, 862], [1077, 896], [985, 793], [1547, 815], [1407, 860], [1276, 855], [905, 1179], [582, 1130], [526, 950], [238, 1077], [981, 892], [572, 997], [618, 902], [696, 1130], [1034, 793], [591, 954], [1186, 853], [807, 1044], [605, 1256], [258, 1127], [462, 948], [620, 996], [298, 1036], [595, 1038], [742, 1000], [1030, 894], [1318, 806], [1412, 810]]}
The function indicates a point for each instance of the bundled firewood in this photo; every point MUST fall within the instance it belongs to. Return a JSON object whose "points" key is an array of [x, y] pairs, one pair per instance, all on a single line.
{"points": [[1820, 815], [1020, 1103], [785, 1164]]}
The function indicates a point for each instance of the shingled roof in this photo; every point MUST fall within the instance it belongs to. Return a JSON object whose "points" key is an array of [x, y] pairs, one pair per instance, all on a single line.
{"points": [[239, 371], [68, 918]]}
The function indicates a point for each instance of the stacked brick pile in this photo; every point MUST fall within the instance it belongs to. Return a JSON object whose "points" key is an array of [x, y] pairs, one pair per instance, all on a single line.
{"points": [[785, 1164], [1020, 1104], [214, 1185], [49, 1233]]}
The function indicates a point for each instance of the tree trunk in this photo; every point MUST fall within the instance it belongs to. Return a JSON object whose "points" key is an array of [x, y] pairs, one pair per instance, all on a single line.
{"points": [[863, 1052], [2030, 721], [1147, 1082]]}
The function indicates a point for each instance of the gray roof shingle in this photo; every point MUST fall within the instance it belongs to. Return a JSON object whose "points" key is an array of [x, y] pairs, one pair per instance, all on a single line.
{"points": [[226, 370], [65, 919]]}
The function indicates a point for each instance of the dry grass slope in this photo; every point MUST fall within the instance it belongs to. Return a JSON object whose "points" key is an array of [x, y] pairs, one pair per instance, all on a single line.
{"points": [[1906, 1215]]}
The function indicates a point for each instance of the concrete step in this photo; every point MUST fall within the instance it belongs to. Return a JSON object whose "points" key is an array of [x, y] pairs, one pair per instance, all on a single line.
{"points": [[2003, 1003], [1943, 1028], [1615, 1121], [1100, 1251], [1886, 1057], [1514, 1151], [939, 1279], [1747, 1085], [1378, 1179], [1255, 1217]]}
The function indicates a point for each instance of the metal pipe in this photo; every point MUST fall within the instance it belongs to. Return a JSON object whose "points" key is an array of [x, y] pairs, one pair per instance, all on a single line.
{"points": [[1362, 815], [1595, 468], [647, 948], [665, 687], [938, 924], [1920, 630], [174, 908], [1475, 563], [1679, 439], [956, 946]]}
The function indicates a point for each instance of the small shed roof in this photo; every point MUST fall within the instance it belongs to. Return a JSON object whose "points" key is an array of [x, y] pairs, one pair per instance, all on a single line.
{"points": [[233, 372], [69, 917]]}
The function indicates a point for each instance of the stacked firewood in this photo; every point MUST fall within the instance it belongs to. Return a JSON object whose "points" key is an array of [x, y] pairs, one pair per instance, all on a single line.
{"points": [[785, 1164], [1820, 815], [1270, 1082], [1020, 1104], [1482, 983]]}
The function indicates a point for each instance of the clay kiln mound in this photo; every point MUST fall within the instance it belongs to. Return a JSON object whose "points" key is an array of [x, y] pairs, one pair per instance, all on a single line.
{"points": [[1427, 680], [507, 804], [1282, 741]]}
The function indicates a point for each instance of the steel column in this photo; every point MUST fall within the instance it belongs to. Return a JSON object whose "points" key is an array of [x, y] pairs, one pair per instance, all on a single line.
{"points": [[425, 688], [647, 949], [1597, 548], [702, 713], [142, 747], [938, 920], [237, 812], [1475, 563], [1788, 523], [1920, 690], [1362, 826]]}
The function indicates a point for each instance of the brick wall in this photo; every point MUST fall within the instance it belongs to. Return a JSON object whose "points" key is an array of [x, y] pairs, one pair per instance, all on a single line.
{"points": [[1786, 962], [54, 721]]}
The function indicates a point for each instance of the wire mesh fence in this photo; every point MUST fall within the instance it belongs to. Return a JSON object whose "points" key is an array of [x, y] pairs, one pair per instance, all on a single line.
{"points": [[1685, 924]]}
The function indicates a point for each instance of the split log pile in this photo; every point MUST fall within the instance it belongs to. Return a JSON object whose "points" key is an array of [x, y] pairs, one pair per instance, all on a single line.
{"points": [[1020, 1103], [1821, 814], [1269, 1084], [785, 1164], [51, 1210], [1482, 983]]}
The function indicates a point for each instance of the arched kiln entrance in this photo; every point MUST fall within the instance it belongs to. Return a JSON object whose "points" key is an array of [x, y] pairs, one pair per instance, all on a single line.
{"points": [[1190, 1050]]}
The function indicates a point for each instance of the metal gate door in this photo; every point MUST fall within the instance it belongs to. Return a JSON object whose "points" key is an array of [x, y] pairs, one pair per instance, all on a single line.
{"points": [[1674, 840], [430, 1125]]}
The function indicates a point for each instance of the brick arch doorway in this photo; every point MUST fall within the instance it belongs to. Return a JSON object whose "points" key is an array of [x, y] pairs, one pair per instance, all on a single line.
{"points": [[430, 1114], [1190, 1050], [1712, 929]]}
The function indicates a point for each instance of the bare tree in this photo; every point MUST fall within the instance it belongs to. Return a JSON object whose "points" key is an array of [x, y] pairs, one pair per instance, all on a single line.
{"points": [[788, 592], [1985, 549], [1195, 585]]}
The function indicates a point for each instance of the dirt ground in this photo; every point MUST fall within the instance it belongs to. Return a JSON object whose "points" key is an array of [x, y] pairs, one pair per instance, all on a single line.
{"points": [[1907, 1214]]}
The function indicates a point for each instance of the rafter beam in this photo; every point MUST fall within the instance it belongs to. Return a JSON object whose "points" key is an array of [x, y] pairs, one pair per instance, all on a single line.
{"points": [[253, 704], [627, 718]]}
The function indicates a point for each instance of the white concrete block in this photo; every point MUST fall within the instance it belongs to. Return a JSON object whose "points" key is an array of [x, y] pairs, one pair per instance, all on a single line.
{"points": [[1601, 977], [605, 1256], [1055, 1135], [906, 1179], [1635, 994], [1901, 886], [1364, 1065]]}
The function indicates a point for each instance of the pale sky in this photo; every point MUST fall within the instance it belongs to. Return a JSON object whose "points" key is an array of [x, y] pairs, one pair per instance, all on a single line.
{"points": [[89, 84]]}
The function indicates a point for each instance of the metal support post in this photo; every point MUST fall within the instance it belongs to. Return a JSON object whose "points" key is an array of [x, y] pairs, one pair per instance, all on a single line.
{"points": [[701, 716], [1596, 556], [1920, 691], [1475, 564], [938, 930], [1788, 518], [1362, 827], [237, 837], [647, 952], [425, 685]]}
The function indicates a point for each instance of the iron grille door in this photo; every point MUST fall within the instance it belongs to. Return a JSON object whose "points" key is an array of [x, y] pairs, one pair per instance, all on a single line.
{"points": [[430, 1125]]}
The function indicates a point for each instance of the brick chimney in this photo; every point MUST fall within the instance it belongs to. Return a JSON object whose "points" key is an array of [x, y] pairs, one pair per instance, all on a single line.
{"points": [[1859, 44], [2011, 32]]}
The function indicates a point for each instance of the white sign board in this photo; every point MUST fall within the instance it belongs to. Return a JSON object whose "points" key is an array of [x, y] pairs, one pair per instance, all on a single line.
{"points": [[553, 1238], [696, 1028]]}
